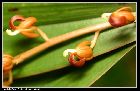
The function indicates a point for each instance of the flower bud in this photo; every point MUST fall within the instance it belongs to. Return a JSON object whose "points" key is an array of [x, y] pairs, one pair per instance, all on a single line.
{"points": [[7, 62], [84, 50], [121, 17]]}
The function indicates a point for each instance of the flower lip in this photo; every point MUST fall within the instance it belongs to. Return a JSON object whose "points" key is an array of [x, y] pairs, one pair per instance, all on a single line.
{"points": [[78, 62], [13, 19]]}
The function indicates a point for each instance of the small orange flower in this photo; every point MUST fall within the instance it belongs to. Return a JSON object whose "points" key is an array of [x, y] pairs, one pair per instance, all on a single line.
{"points": [[25, 27], [83, 53]]}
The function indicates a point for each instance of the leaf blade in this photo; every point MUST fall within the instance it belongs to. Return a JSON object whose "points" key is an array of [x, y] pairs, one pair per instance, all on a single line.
{"points": [[73, 77]]}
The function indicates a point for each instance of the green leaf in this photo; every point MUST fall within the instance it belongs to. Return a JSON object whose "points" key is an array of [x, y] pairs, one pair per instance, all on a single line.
{"points": [[76, 77], [52, 58]]}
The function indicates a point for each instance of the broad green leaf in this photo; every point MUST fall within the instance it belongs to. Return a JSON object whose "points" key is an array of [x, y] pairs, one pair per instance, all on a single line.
{"points": [[52, 58], [76, 77], [50, 13]]}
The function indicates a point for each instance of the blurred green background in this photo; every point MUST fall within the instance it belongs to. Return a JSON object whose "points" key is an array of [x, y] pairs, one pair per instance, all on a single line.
{"points": [[122, 74]]}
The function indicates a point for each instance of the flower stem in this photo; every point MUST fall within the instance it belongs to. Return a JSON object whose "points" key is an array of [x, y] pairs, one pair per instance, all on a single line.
{"points": [[42, 34], [10, 79], [93, 42]]}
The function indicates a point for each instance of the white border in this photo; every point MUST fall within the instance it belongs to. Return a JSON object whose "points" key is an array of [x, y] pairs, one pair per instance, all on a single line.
{"points": [[15, 88]]}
